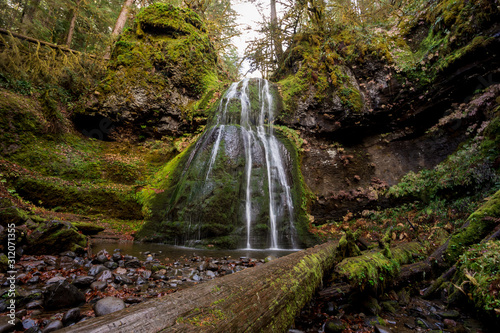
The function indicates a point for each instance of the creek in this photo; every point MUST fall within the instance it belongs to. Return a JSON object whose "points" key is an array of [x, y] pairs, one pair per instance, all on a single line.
{"points": [[170, 253]]}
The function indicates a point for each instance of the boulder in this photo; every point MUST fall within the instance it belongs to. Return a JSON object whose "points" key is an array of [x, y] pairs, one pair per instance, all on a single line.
{"points": [[108, 305], [53, 237], [63, 295]]}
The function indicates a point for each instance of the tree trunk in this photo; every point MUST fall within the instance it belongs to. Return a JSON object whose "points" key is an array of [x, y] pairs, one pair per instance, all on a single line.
{"points": [[122, 18], [262, 299], [28, 13], [72, 24], [275, 36]]}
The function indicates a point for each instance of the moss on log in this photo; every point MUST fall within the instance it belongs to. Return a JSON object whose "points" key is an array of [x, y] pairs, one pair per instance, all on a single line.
{"points": [[374, 269], [479, 224], [260, 299]]}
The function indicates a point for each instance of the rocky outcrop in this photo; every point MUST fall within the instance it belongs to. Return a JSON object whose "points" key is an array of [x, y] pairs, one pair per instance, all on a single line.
{"points": [[367, 122], [156, 74]]}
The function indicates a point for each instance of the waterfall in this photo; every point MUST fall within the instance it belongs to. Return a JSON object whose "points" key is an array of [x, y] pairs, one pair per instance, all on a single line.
{"points": [[236, 180]]}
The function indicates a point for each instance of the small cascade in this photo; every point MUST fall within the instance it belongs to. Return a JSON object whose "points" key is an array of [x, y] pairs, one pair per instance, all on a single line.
{"points": [[244, 189]]}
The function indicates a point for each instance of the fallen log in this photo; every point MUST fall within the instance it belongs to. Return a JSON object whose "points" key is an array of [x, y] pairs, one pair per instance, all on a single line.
{"points": [[37, 41], [261, 299]]}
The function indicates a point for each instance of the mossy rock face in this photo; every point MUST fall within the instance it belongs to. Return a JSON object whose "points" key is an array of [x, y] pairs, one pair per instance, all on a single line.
{"points": [[200, 197], [54, 237], [156, 73], [51, 193]]}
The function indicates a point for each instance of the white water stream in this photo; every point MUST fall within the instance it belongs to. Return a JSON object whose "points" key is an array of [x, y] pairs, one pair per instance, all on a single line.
{"points": [[257, 130]]}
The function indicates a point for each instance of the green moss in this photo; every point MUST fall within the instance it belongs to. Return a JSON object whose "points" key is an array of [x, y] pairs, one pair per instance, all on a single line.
{"points": [[479, 224], [373, 270], [52, 193]]}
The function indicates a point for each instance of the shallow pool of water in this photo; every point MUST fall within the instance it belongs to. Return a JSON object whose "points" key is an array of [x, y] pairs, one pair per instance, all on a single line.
{"points": [[170, 253]]}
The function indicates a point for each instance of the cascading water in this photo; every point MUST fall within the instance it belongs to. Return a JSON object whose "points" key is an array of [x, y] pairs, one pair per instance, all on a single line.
{"points": [[235, 187]]}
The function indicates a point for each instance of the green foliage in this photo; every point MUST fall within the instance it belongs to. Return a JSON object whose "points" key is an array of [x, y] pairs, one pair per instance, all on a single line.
{"points": [[466, 169], [478, 275]]}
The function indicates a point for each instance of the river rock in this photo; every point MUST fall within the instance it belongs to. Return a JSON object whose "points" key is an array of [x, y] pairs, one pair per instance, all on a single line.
{"points": [[334, 325], [135, 263], [28, 323], [83, 281], [71, 316], [98, 285], [96, 269], [53, 326], [55, 279], [63, 295], [108, 305], [381, 329], [105, 275], [123, 279]]}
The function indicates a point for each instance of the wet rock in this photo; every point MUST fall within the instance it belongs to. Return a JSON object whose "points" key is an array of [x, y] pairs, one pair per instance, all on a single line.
{"points": [[210, 274], [70, 254], [110, 265], [55, 279], [28, 323], [108, 305], [34, 280], [96, 269], [140, 281], [371, 305], [105, 275], [35, 304], [83, 281], [120, 271], [334, 325], [5, 326], [117, 256], [390, 306], [33, 329], [381, 329], [331, 308], [146, 274], [71, 316], [449, 314], [53, 326], [403, 297], [63, 295], [133, 264], [98, 285], [123, 279], [420, 322]]}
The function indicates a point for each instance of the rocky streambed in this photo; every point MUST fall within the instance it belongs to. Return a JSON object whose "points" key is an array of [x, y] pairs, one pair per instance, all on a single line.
{"points": [[53, 292]]}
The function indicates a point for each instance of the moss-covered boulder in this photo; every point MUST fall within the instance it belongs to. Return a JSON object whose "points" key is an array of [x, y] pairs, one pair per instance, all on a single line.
{"points": [[157, 71], [53, 237]]}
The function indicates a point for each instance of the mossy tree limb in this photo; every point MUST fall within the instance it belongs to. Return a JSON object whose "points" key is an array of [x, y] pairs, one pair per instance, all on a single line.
{"points": [[261, 299]]}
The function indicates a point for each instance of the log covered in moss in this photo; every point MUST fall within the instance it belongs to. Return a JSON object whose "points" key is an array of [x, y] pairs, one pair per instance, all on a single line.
{"points": [[261, 299]]}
